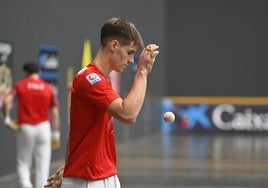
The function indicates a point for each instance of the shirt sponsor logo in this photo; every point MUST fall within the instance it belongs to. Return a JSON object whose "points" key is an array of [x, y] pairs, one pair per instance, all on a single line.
{"points": [[35, 86], [93, 78]]}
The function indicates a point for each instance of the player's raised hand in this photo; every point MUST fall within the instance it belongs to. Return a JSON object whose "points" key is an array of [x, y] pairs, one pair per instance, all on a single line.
{"points": [[147, 57]]}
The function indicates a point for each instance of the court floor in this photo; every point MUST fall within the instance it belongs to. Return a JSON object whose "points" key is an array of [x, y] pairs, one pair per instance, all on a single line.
{"points": [[183, 160]]}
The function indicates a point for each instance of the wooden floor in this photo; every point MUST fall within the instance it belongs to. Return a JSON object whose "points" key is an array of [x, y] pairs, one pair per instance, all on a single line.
{"points": [[194, 161], [183, 160]]}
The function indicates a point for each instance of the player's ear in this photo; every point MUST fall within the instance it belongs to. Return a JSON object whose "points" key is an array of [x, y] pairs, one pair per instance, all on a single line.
{"points": [[114, 45]]}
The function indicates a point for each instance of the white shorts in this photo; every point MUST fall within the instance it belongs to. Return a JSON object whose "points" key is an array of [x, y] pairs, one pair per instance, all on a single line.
{"points": [[71, 182]]}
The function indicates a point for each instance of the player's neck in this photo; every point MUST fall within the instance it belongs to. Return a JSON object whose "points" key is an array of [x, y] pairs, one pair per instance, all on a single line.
{"points": [[34, 76], [102, 62]]}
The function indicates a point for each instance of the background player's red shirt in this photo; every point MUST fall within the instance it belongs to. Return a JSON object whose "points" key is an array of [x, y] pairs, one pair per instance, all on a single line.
{"points": [[92, 153], [35, 98]]}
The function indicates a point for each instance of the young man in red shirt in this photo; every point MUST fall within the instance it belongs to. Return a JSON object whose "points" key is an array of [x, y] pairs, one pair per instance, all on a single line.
{"points": [[36, 99], [91, 152]]}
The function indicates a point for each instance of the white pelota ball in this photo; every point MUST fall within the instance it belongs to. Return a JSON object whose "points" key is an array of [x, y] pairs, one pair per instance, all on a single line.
{"points": [[169, 117]]}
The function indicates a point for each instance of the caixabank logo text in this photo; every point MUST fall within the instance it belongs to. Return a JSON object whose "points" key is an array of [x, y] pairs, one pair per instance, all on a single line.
{"points": [[221, 116]]}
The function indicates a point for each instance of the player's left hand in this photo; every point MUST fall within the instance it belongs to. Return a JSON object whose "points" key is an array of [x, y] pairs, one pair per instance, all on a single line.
{"points": [[148, 56], [55, 143], [55, 140], [13, 125], [152, 48]]}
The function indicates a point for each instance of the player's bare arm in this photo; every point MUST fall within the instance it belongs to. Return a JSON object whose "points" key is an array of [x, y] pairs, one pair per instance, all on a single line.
{"points": [[7, 105], [127, 110]]}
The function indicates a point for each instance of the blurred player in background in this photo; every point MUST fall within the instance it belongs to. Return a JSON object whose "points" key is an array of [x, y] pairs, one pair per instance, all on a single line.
{"points": [[91, 152], [37, 105]]}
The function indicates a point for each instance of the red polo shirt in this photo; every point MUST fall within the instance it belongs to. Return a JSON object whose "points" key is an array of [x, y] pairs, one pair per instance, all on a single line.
{"points": [[92, 152], [35, 98]]}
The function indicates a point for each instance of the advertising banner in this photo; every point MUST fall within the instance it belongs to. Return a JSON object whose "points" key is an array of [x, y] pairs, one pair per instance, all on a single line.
{"points": [[217, 114], [49, 63]]}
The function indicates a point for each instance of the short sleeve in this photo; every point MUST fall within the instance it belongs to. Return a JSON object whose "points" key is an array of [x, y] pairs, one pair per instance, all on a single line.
{"points": [[100, 93]]}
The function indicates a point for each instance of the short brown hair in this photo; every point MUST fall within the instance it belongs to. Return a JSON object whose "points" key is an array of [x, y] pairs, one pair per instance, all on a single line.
{"points": [[122, 30], [31, 67]]}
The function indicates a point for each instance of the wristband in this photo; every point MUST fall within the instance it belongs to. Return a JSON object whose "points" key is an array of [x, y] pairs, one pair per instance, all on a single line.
{"points": [[7, 120], [56, 134]]}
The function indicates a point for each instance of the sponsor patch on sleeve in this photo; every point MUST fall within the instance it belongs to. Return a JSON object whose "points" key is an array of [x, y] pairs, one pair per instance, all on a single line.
{"points": [[93, 78]]}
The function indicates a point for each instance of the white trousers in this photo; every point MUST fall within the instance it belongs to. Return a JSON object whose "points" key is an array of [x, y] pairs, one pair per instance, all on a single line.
{"points": [[33, 147], [71, 182]]}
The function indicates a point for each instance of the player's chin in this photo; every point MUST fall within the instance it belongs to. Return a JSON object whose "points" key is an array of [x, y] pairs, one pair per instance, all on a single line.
{"points": [[124, 67], [121, 69]]}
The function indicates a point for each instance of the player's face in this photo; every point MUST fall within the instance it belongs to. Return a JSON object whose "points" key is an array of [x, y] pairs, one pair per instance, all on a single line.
{"points": [[124, 56]]}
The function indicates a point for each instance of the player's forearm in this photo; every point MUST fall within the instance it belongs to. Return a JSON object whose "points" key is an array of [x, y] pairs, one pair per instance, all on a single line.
{"points": [[133, 102], [6, 110], [7, 105], [55, 119]]}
